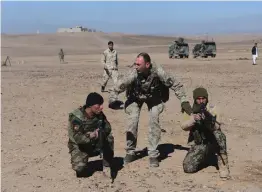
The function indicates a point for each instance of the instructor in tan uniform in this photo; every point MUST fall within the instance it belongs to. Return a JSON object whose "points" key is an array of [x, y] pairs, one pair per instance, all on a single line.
{"points": [[110, 62], [147, 83]]}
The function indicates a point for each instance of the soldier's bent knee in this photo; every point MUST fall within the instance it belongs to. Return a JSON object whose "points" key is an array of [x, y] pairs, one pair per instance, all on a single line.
{"points": [[79, 167], [188, 168], [189, 165]]}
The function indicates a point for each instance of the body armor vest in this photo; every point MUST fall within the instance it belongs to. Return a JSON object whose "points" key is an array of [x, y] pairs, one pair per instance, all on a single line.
{"points": [[143, 89]]}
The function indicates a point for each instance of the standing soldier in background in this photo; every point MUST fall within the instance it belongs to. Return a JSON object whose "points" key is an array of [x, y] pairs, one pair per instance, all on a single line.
{"points": [[4, 63], [254, 53], [61, 55], [110, 63], [205, 136], [146, 83]]}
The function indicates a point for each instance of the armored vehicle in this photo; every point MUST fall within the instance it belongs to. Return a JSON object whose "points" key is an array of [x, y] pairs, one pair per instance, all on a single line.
{"points": [[205, 49], [179, 49]]}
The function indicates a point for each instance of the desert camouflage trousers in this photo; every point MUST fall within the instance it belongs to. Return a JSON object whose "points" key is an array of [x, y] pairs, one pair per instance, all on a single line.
{"points": [[133, 110], [197, 155], [109, 73], [80, 154]]}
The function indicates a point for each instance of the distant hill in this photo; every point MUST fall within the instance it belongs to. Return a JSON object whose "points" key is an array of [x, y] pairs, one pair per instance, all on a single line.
{"points": [[95, 43], [76, 43]]}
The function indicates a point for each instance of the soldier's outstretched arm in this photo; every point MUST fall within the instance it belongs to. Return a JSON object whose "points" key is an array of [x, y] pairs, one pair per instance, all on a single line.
{"points": [[122, 84], [103, 59], [173, 83]]}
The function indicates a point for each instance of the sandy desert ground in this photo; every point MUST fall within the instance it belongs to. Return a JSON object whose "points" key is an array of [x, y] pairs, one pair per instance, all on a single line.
{"points": [[38, 93]]}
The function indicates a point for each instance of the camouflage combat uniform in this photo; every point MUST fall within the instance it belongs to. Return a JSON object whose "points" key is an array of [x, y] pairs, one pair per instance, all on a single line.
{"points": [[80, 145], [139, 91], [213, 142], [110, 62], [61, 55]]}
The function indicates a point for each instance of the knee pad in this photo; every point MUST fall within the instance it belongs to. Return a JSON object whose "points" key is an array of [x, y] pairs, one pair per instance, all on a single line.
{"points": [[189, 168]]}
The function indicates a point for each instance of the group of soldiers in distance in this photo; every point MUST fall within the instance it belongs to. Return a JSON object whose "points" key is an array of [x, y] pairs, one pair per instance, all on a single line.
{"points": [[91, 132]]}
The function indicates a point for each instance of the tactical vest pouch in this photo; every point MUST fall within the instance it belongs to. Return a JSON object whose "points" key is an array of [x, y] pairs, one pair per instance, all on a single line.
{"points": [[152, 86], [158, 86]]}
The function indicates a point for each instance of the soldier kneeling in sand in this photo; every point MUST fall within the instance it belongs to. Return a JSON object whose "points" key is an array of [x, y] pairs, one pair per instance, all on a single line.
{"points": [[204, 125], [83, 134]]}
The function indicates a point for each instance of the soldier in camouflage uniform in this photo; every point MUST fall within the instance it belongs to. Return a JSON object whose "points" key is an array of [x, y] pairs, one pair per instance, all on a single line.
{"points": [[211, 140], [110, 63], [83, 134], [61, 55], [146, 83]]}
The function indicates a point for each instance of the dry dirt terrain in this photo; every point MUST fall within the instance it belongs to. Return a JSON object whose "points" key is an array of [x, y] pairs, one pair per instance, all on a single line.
{"points": [[38, 93]]}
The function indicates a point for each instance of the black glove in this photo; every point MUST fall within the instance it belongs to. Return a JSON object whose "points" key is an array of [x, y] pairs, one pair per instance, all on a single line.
{"points": [[116, 105], [186, 107]]}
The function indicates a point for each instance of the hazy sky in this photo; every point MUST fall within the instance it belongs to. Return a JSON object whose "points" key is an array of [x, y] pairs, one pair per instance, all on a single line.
{"points": [[134, 17]]}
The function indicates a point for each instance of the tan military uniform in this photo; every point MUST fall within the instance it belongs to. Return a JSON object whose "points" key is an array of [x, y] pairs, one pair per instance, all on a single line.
{"points": [[61, 56], [152, 99], [110, 62]]}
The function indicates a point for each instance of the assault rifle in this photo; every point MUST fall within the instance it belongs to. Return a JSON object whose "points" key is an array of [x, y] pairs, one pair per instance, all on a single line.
{"points": [[101, 139], [209, 117], [205, 126]]}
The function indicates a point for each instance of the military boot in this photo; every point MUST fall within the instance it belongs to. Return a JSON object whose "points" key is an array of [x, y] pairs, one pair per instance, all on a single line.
{"points": [[129, 158], [102, 88], [83, 173], [153, 162], [105, 163], [223, 166]]}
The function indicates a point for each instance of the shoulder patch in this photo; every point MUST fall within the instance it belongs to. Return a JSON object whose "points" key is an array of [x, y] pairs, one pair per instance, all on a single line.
{"points": [[75, 124], [76, 127]]}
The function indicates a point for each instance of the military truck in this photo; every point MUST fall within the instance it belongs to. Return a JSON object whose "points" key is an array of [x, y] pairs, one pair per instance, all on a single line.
{"points": [[205, 49], [178, 48]]}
